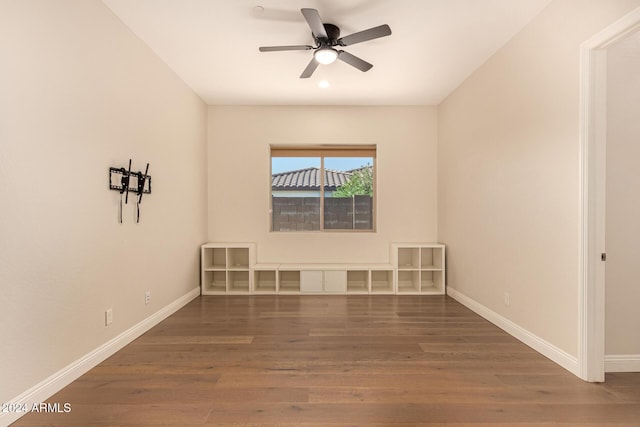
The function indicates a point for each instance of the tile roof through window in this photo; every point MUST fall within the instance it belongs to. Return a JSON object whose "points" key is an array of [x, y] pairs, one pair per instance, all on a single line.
{"points": [[308, 180]]}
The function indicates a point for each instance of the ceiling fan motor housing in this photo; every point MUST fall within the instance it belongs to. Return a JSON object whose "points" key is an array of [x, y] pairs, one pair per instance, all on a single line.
{"points": [[333, 34]]}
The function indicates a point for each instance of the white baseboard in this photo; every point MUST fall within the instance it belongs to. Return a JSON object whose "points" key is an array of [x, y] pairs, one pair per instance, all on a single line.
{"points": [[622, 363], [557, 355], [56, 382]]}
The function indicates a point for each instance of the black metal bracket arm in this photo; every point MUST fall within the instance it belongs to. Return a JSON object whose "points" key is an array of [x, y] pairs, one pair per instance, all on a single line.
{"points": [[142, 179]]}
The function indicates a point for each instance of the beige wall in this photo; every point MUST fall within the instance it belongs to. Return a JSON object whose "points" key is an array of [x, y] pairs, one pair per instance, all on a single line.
{"points": [[80, 93], [509, 173], [622, 318], [239, 177]]}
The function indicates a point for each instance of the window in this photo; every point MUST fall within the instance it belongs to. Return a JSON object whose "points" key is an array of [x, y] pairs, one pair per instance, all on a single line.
{"points": [[323, 188]]}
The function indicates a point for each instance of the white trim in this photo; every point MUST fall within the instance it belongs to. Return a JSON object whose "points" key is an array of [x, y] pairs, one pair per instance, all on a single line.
{"points": [[592, 197], [56, 382], [591, 300], [547, 349], [622, 363]]}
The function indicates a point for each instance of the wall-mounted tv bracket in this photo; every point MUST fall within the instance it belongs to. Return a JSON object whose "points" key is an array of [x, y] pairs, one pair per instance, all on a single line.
{"points": [[124, 181]]}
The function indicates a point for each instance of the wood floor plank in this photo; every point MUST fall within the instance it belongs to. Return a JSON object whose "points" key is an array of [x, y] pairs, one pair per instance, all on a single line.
{"points": [[303, 379], [473, 394], [193, 339], [141, 395], [336, 361]]}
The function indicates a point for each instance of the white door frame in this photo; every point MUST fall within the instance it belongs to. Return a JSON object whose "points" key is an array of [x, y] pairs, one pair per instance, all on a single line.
{"points": [[593, 63]]}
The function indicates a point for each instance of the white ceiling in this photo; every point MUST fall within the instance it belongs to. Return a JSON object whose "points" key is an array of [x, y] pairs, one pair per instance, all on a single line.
{"points": [[213, 46]]}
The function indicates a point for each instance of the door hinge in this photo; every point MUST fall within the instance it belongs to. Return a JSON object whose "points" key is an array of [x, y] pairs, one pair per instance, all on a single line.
{"points": [[603, 256]]}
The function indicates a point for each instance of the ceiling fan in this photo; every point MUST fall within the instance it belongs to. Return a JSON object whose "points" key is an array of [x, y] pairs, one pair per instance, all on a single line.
{"points": [[327, 38]]}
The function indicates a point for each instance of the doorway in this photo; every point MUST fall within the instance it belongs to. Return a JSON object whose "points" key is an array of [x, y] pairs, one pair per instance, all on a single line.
{"points": [[593, 139], [622, 206]]}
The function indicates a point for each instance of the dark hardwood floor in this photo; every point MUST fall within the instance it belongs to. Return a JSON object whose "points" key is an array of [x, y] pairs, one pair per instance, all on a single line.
{"points": [[335, 361]]}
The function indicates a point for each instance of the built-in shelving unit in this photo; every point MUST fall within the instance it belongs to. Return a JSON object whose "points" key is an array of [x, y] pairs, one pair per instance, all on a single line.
{"points": [[230, 268]]}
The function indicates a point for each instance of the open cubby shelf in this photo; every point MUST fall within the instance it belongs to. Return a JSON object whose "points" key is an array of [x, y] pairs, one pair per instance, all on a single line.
{"points": [[264, 281], [382, 281], [358, 281], [289, 281]]}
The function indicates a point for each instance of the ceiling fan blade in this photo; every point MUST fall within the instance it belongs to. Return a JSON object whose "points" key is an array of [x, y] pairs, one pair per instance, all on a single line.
{"points": [[281, 48], [315, 23], [310, 69], [354, 61], [363, 36]]}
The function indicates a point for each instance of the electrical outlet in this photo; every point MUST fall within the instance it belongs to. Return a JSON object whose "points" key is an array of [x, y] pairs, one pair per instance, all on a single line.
{"points": [[147, 297], [108, 317], [507, 299]]}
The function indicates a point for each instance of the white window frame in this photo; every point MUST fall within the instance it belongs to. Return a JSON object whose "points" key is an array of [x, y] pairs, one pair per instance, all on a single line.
{"points": [[323, 151]]}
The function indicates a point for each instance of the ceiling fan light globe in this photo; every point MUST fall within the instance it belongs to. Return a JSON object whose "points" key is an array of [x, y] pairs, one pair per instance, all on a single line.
{"points": [[325, 55]]}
